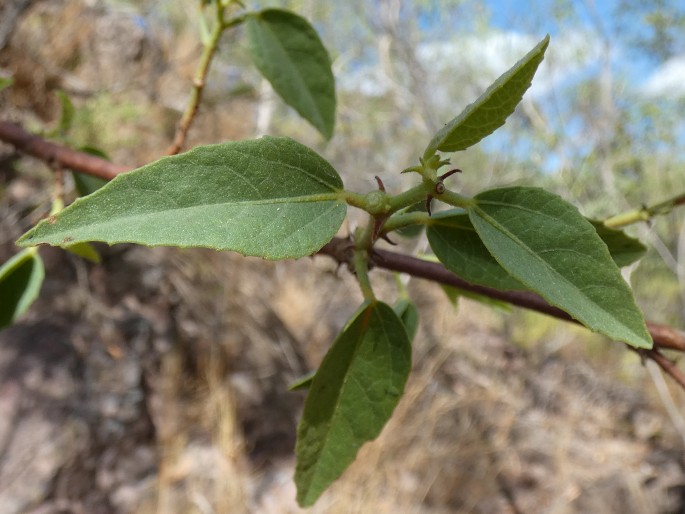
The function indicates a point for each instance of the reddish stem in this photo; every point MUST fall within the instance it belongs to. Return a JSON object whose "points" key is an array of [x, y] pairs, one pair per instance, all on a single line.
{"points": [[56, 154]]}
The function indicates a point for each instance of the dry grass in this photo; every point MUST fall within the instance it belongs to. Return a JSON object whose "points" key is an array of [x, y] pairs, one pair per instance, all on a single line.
{"points": [[484, 426]]}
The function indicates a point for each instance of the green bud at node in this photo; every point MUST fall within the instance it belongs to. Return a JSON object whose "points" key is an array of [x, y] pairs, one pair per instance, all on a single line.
{"points": [[377, 202]]}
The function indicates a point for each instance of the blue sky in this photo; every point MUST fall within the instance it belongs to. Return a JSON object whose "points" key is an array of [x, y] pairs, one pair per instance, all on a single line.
{"points": [[584, 23], [467, 42], [598, 16], [576, 53]]}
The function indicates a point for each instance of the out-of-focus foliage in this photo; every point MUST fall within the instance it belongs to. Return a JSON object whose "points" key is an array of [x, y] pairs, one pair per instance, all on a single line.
{"points": [[662, 24]]}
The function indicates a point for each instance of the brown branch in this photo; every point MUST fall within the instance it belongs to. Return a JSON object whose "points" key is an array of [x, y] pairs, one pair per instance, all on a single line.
{"points": [[665, 337], [53, 153], [667, 365]]}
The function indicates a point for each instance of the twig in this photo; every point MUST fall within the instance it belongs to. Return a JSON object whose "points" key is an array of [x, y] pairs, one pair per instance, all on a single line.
{"points": [[669, 338], [52, 153], [645, 213], [666, 364], [665, 337], [199, 80], [667, 399]]}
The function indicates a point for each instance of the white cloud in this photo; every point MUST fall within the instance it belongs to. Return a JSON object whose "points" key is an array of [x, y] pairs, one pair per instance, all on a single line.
{"points": [[491, 55], [482, 58], [667, 80]]}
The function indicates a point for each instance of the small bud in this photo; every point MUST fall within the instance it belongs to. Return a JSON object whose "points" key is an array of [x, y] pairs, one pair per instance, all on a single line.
{"points": [[377, 202]]}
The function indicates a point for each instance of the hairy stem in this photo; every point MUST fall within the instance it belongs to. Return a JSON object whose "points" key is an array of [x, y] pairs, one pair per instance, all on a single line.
{"points": [[455, 199], [360, 259], [395, 203], [361, 269], [405, 219], [410, 197], [363, 243]]}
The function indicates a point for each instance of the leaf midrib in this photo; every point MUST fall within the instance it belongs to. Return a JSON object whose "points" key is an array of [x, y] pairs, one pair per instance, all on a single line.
{"points": [[301, 84], [536, 257], [346, 379], [319, 198]]}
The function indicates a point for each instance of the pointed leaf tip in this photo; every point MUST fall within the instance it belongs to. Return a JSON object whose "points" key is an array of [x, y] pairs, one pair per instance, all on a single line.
{"points": [[491, 109], [352, 396]]}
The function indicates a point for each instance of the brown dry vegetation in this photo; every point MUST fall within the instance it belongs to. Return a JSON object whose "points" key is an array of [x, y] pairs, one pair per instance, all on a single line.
{"points": [[156, 381]]}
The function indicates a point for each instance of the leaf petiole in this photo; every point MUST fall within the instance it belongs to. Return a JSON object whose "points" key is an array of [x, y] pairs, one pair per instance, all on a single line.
{"points": [[361, 269], [405, 219], [455, 199]]}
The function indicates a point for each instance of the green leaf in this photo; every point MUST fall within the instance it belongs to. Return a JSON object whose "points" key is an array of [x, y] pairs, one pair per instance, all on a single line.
{"points": [[85, 251], [624, 249], [452, 293], [272, 197], [303, 382], [5, 82], [549, 246], [455, 293], [289, 54], [458, 246], [97, 152], [409, 315], [87, 184], [66, 117], [412, 230], [490, 111], [21, 278], [351, 398]]}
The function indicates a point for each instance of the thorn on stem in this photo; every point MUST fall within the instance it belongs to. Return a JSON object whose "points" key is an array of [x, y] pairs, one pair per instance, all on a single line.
{"points": [[381, 186], [429, 199], [388, 240], [449, 174], [439, 188], [378, 226]]}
